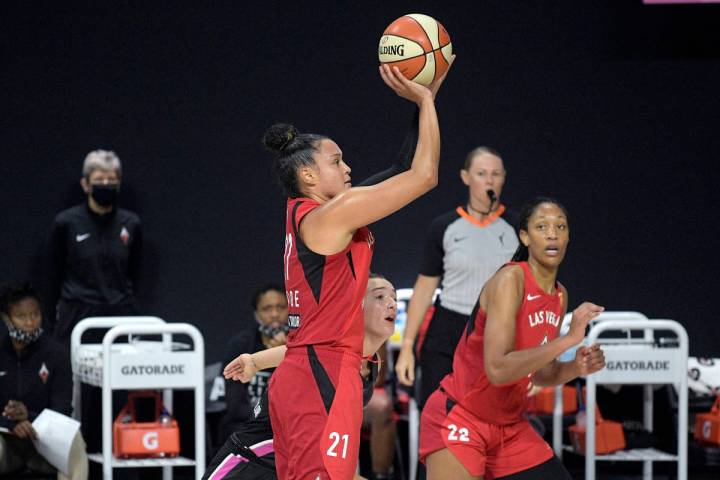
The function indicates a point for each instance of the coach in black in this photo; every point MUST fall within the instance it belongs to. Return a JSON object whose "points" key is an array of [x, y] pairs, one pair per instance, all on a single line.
{"points": [[93, 252]]}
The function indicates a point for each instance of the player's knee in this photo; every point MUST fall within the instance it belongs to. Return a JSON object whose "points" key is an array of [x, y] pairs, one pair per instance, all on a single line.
{"points": [[380, 406]]}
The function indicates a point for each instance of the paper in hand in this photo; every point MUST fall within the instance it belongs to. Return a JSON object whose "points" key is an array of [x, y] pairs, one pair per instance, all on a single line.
{"points": [[55, 435]]}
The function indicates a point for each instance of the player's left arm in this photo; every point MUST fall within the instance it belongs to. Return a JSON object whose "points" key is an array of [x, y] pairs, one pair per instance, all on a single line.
{"points": [[246, 365], [587, 360]]}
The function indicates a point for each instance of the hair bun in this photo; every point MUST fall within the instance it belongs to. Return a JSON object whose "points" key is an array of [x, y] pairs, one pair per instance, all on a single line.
{"points": [[279, 136]]}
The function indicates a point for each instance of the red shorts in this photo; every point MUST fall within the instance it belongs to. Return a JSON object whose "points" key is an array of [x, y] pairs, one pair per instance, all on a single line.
{"points": [[436, 408], [484, 449], [316, 413]]}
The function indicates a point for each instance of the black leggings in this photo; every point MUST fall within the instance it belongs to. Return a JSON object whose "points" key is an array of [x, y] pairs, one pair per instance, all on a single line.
{"points": [[552, 469], [262, 468], [436, 354]]}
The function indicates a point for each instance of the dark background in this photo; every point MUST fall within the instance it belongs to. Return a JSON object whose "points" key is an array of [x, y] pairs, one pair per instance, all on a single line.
{"points": [[608, 105]]}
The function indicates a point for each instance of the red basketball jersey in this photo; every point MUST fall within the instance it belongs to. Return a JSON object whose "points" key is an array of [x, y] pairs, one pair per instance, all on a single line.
{"points": [[325, 292], [538, 321]]}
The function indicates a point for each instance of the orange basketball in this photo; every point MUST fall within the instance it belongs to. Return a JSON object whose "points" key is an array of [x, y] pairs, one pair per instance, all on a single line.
{"points": [[418, 45]]}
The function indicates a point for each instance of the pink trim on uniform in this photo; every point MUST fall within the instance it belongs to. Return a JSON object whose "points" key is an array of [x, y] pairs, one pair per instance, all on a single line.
{"points": [[232, 460]]}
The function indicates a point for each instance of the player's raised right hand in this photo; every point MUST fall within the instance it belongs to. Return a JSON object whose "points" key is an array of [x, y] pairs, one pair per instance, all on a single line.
{"points": [[403, 87]]}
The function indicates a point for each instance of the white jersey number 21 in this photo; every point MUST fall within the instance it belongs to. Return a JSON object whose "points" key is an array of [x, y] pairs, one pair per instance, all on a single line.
{"points": [[335, 437]]}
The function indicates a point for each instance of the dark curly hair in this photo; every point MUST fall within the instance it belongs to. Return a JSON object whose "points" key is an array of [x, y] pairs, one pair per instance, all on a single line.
{"points": [[12, 293], [262, 290], [293, 150]]}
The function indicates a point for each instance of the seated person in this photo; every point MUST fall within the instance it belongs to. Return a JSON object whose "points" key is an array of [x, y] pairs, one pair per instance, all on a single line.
{"points": [[34, 375], [378, 416], [248, 453], [271, 311]]}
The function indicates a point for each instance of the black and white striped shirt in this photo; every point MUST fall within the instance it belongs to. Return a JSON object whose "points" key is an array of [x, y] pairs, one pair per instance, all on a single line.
{"points": [[466, 252]]}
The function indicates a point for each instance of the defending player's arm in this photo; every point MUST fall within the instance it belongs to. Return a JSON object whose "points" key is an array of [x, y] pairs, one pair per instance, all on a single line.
{"points": [[244, 367], [404, 157], [505, 365], [587, 360], [328, 229]]}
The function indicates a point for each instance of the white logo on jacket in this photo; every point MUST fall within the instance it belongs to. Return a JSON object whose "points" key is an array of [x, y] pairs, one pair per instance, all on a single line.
{"points": [[43, 373]]}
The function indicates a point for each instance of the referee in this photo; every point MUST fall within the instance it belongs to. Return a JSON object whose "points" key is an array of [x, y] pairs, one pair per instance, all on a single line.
{"points": [[463, 250]]}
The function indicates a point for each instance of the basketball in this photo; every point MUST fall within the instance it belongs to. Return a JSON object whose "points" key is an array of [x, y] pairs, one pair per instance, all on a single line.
{"points": [[418, 45]]}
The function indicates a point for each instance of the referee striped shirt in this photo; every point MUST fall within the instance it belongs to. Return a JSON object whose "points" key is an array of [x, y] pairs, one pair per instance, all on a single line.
{"points": [[466, 252]]}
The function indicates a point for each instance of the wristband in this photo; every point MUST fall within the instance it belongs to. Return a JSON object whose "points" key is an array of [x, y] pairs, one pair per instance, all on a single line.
{"points": [[253, 363]]}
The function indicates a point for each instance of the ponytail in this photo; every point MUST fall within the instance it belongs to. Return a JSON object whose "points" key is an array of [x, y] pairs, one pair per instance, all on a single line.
{"points": [[521, 254]]}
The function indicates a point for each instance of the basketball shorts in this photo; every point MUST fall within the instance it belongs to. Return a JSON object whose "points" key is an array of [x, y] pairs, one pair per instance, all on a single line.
{"points": [[316, 403], [484, 449], [248, 453]]}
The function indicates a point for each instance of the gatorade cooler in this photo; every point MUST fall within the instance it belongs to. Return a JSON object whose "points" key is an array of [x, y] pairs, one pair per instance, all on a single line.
{"points": [[707, 425], [609, 436], [544, 400], [134, 439]]}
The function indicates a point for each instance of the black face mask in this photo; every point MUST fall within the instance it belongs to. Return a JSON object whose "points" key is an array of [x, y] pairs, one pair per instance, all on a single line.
{"points": [[105, 195]]}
